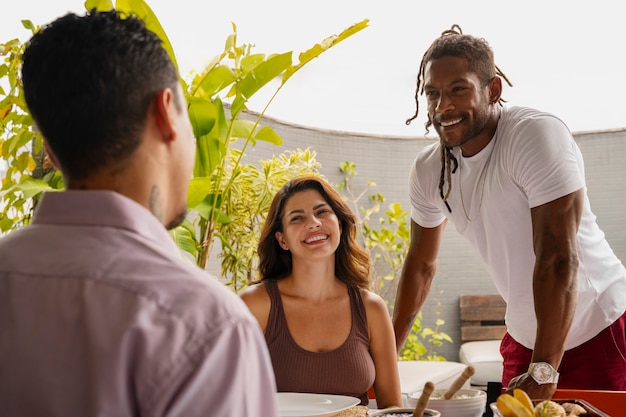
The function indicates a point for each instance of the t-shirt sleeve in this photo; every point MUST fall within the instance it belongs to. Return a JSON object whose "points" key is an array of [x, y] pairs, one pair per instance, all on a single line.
{"points": [[423, 209], [546, 161]]}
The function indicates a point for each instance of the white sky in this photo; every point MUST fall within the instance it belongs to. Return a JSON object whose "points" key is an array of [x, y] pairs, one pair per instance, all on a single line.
{"points": [[561, 56]]}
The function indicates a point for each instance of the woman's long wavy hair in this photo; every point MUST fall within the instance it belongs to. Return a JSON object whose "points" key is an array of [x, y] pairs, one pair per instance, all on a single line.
{"points": [[352, 262]]}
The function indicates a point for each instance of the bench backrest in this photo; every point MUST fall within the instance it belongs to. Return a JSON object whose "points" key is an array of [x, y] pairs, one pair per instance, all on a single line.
{"points": [[482, 317]]}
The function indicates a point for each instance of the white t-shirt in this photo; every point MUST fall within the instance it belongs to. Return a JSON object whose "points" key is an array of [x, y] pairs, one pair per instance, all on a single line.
{"points": [[533, 159]]}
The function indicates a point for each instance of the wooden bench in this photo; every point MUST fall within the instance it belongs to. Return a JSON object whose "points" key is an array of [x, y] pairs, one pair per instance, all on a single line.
{"points": [[482, 329], [482, 317]]}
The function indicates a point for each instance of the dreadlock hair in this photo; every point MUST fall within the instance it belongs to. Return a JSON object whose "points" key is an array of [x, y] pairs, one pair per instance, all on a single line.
{"points": [[480, 60]]}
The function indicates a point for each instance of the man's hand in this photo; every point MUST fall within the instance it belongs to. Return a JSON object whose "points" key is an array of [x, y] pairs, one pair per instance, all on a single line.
{"points": [[534, 390]]}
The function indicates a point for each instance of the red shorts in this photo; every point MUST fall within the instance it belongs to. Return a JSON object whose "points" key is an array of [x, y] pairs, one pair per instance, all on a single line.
{"points": [[599, 363]]}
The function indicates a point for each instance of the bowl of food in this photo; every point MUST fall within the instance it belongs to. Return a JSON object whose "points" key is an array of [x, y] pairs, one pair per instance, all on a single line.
{"points": [[402, 412], [464, 403]]}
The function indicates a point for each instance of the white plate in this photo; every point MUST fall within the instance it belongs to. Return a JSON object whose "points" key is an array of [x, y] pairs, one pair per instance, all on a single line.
{"points": [[293, 404]]}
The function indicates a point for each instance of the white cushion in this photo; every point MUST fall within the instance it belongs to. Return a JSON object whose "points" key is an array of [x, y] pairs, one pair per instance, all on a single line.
{"points": [[485, 356]]}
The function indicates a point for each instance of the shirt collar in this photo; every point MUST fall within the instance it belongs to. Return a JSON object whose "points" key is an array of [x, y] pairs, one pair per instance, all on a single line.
{"points": [[100, 208]]}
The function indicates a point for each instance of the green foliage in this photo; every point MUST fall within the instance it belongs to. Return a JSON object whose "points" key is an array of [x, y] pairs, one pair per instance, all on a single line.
{"points": [[414, 349], [28, 172], [217, 98], [388, 243], [223, 134], [415, 346]]}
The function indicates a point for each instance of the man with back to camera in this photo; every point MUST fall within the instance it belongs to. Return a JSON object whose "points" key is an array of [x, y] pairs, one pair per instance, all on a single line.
{"points": [[99, 313], [511, 180]]}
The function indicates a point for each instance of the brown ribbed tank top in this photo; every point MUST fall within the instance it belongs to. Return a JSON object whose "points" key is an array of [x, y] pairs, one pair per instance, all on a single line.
{"points": [[347, 370]]}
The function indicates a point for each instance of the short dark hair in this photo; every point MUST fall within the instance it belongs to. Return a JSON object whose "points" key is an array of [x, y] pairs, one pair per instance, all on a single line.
{"points": [[352, 262], [88, 82]]}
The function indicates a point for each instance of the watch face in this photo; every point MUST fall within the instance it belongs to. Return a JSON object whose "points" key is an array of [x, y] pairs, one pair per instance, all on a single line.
{"points": [[543, 372]]}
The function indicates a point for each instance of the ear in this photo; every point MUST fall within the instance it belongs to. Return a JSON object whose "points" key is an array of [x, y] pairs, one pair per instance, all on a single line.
{"points": [[51, 156], [164, 113], [495, 89], [280, 238]]}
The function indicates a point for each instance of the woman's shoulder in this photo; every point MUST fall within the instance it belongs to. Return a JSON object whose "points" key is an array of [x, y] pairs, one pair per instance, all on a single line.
{"points": [[254, 293], [257, 299], [376, 310], [369, 294], [372, 300]]}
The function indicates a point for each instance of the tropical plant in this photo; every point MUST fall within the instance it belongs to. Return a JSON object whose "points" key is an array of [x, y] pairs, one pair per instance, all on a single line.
{"points": [[240, 74], [27, 172], [420, 337], [387, 241], [217, 98], [387, 244]]}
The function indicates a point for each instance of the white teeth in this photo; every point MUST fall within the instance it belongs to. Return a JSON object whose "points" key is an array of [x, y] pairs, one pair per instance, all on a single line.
{"points": [[316, 238], [450, 122]]}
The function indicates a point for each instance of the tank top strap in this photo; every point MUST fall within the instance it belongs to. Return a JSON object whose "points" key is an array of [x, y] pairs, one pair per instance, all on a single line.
{"points": [[276, 320], [359, 316]]}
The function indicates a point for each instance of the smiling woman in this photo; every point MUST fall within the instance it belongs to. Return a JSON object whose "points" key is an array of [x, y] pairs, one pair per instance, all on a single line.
{"points": [[326, 331]]}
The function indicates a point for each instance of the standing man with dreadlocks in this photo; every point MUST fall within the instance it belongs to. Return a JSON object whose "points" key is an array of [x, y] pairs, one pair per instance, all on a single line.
{"points": [[511, 181]]}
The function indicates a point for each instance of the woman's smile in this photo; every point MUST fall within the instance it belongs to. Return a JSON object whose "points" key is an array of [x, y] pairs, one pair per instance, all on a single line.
{"points": [[316, 238]]}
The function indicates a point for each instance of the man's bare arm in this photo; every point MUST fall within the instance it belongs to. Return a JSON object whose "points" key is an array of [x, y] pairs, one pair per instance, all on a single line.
{"points": [[555, 289], [555, 226], [417, 274]]}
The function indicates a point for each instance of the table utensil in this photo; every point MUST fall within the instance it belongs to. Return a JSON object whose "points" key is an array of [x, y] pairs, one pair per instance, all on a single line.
{"points": [[429, 387], [459, 382]]}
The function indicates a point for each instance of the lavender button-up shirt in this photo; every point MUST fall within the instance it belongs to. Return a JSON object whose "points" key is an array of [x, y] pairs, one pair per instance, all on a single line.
{"points": [[101, 316]]}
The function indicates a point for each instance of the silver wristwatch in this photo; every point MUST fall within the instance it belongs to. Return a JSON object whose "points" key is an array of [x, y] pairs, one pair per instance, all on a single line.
{"points": [[543, 373]]}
